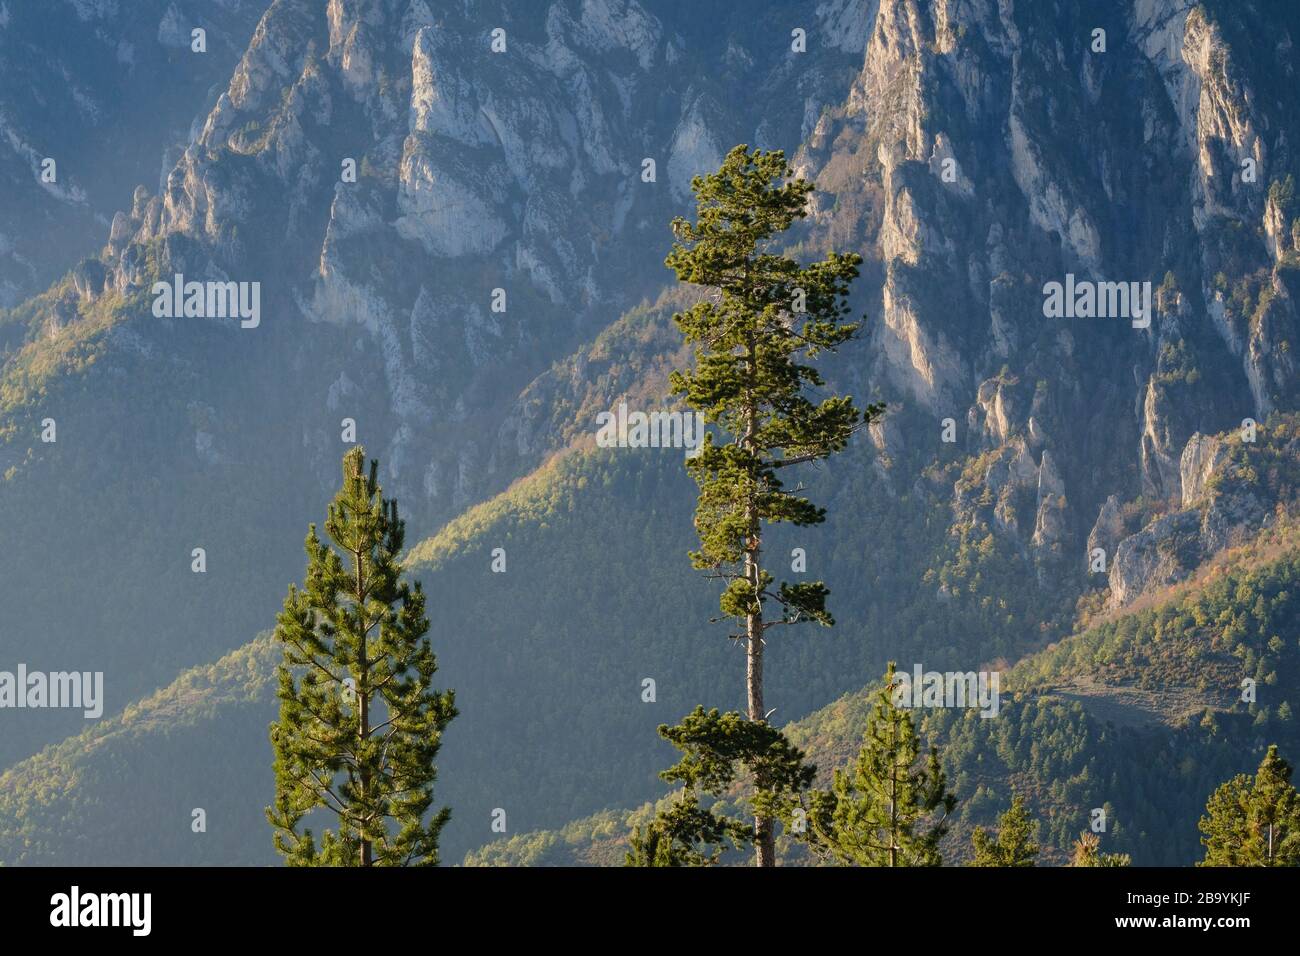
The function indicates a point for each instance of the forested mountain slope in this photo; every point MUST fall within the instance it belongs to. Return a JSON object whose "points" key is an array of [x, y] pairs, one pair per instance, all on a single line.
{"points": [[1150, 759]]}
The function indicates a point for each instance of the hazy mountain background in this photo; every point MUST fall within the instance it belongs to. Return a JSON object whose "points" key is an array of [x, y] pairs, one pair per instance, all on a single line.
{"points": [[1168, 158]]}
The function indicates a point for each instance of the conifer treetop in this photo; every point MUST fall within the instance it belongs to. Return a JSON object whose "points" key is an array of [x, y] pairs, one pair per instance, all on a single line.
{"points": [[360, 724]]}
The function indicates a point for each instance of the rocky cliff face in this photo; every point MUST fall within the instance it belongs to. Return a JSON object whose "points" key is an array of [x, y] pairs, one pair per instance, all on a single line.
{"points": [[511, 168], [1013, 144], [499, 198]]}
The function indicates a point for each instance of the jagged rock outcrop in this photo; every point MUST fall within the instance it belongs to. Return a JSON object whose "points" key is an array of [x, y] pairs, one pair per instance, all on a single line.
{"points": [[1108, 529], [979, 193], [1163, 553], [1203, 455], [1217, 88], [1223, 502]]}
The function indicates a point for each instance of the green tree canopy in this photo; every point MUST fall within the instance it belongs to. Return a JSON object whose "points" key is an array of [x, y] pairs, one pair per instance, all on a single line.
{"points": [[892, 807], [1254, 820], [359, 724], [1016, 843]]}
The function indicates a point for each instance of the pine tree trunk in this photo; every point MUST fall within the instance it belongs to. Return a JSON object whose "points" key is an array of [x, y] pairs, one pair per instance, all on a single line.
{"points": [[893, 793], [363, 732], [764, 835], [363, 698]]}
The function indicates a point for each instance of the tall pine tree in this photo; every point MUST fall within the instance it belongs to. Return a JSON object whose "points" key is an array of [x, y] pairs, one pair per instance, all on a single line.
{"points": [[753, 338], [1254, 820], [359, 725], [892, 808]]}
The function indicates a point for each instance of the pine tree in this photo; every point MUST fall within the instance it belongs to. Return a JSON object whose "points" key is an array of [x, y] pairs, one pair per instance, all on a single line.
{"points": [[1087, 852], [1254, 821], [1016, 843], [717, 748], [359, 725], [893, 808], [752, 338]]}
